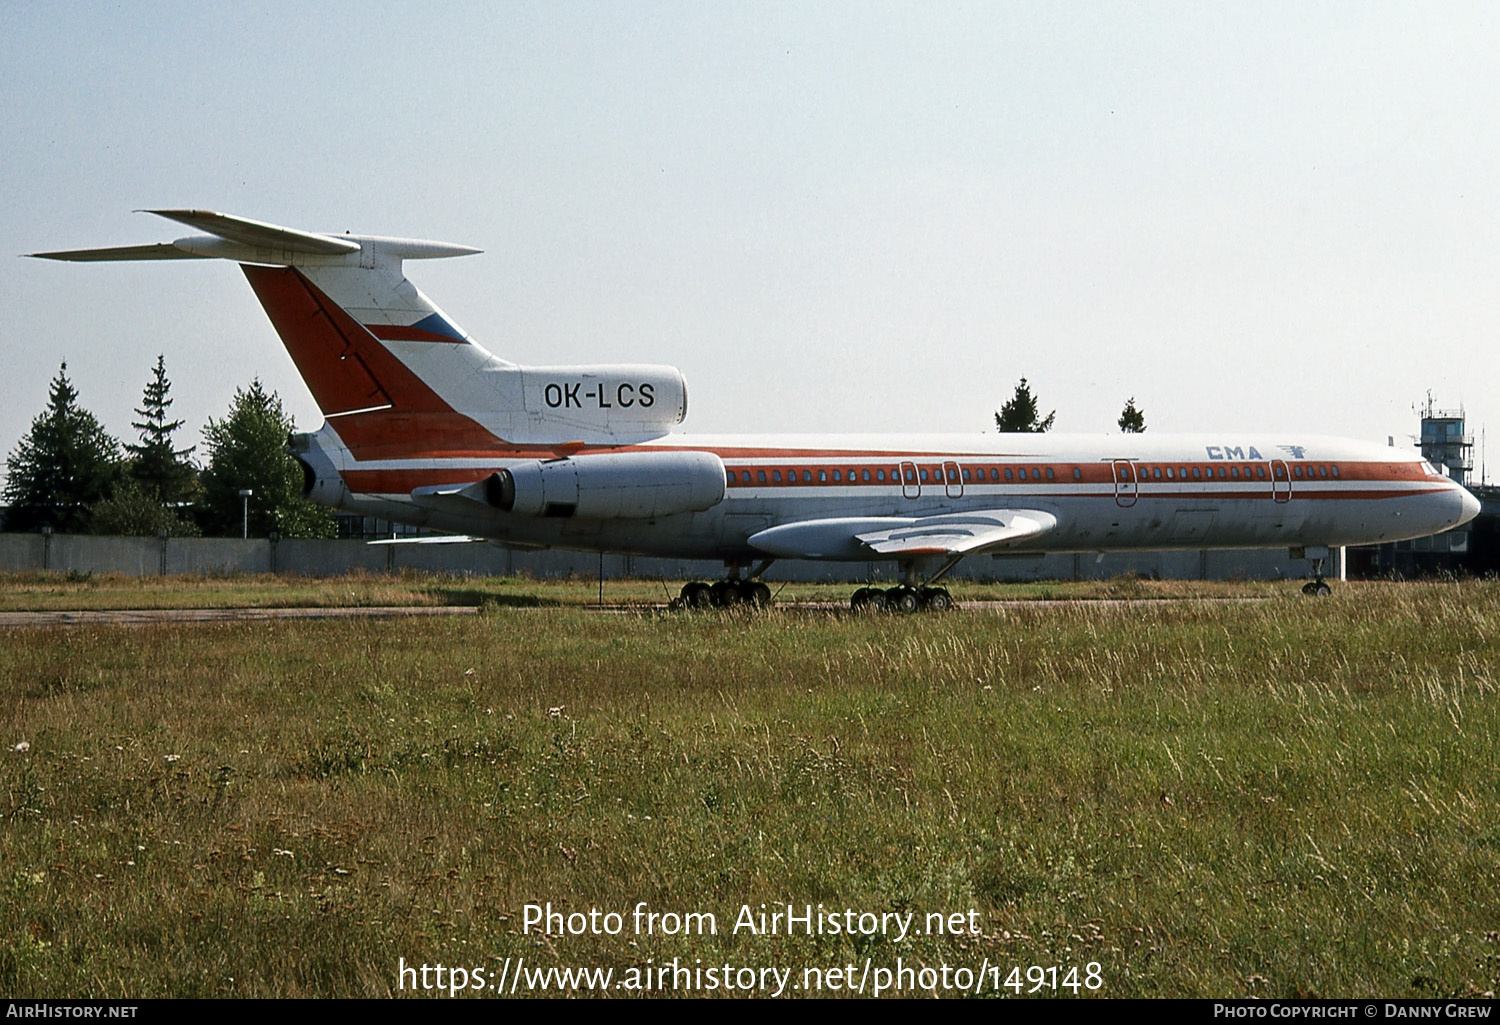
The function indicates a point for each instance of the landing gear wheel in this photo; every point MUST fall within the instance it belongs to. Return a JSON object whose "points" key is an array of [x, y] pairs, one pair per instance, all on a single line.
{"points": [[867, 599], [1317, 588], [902, 599], [697, 595], [726, 593], [756, 593], [936, 599]]}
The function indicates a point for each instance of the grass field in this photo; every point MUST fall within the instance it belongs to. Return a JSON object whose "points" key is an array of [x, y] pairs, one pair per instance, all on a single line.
{"points": [[52, 591], [1285, 797]]}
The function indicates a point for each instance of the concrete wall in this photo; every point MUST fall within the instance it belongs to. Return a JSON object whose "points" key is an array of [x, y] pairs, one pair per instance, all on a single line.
{"points": [[146, 556]]}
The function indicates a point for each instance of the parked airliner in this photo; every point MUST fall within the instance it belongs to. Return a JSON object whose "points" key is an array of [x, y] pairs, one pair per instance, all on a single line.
{"points": [[424, 426]]}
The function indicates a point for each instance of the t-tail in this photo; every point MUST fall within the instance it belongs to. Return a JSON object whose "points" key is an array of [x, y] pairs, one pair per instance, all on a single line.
{"points": [[398, 381]]}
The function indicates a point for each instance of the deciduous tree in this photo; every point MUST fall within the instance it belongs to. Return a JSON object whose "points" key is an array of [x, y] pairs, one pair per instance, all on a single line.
{"points": [[247, 449]]}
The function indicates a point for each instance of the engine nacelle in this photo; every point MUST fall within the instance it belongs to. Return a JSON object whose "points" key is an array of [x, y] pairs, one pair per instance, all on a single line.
{"points": [[623, 485], [320, 478]]}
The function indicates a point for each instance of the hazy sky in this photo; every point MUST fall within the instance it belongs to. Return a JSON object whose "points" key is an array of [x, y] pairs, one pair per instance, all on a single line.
{"points": [[839, 217]]}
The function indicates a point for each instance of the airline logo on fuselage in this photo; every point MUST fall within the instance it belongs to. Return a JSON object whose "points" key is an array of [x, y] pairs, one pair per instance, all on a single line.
{"points": [[1251, 452], [1235, 452]]}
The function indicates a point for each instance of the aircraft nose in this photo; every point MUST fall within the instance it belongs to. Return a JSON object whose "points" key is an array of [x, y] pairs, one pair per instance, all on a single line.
{"points": [[1470, 506]]}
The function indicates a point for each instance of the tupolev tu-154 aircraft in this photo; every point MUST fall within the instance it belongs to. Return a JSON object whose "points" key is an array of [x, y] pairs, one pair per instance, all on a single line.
{"points": [[424, 426]]}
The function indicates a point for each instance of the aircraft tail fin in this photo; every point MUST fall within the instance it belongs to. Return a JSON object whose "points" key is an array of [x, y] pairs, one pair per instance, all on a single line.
{"points": [[345, 368], [395, 375]]}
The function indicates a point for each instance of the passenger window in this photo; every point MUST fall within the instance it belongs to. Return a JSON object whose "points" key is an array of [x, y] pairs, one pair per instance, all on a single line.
{"points": [[760, 475], [1077, 473], [1335, 471], [1260, 473], [1297, 472], [807, 476], [776, 476], [879, 474], [1008, 474], [1050, 475], [1169, 473], [730, 475], [1197, 473], [952, 474], [1022, 472], [1156, 473], [866, 475], [1322, 471], [911, 476], [823, 475], [1234, 471], [966, 473]]}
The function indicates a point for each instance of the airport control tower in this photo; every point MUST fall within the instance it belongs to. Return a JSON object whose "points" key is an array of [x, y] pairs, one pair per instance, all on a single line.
{"points": [[1444, 443]]}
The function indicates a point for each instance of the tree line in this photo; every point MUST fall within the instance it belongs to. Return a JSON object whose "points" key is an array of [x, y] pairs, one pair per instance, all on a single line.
{"points": [[70, 475], [1021, 415]]}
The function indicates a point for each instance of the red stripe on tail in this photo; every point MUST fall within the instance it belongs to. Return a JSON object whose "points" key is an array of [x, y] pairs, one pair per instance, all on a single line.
{"points": [[348, 370]]}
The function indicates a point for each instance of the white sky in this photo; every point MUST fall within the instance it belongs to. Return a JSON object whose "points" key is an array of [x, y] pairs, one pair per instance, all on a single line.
{"points": [[832, 217]]}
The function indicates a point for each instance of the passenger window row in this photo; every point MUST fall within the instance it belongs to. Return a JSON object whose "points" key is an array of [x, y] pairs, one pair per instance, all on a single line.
{"points": [[950, 474], [941, 474]]}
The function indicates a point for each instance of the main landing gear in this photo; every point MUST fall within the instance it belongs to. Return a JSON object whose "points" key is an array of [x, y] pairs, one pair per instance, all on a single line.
{"points": [[901, 598], [907, 596], [724, 594], [728, 593]]}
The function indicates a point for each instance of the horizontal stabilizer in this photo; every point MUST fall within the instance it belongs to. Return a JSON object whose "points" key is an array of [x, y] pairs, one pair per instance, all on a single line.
{"points": [[258, 233], [246, 241], [159, 251]]}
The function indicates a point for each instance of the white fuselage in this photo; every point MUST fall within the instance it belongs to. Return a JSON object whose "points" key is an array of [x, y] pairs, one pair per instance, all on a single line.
{"points": [[1107, 492]]}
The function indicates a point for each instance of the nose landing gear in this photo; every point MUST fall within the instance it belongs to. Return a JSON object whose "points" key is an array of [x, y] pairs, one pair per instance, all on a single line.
{"points": [[1317, 586]]}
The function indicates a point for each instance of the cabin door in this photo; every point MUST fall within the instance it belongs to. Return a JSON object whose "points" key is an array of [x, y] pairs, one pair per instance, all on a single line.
{"points": [[1126, 486], [1281, 481], [911, 486]]}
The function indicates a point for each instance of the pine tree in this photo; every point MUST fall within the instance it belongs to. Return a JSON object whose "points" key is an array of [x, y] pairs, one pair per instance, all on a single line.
{"points": [[247, 449], [1132, 420], [160, 469], [65, 464], [1019, 415]]}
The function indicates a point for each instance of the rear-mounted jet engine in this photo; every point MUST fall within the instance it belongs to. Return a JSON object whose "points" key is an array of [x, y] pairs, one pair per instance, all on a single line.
{"points": [[625, 485]]}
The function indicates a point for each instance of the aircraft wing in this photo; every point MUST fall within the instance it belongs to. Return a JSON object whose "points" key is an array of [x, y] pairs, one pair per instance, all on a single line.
{"points": [[428, 539], [959, 533], [855, 537]]}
